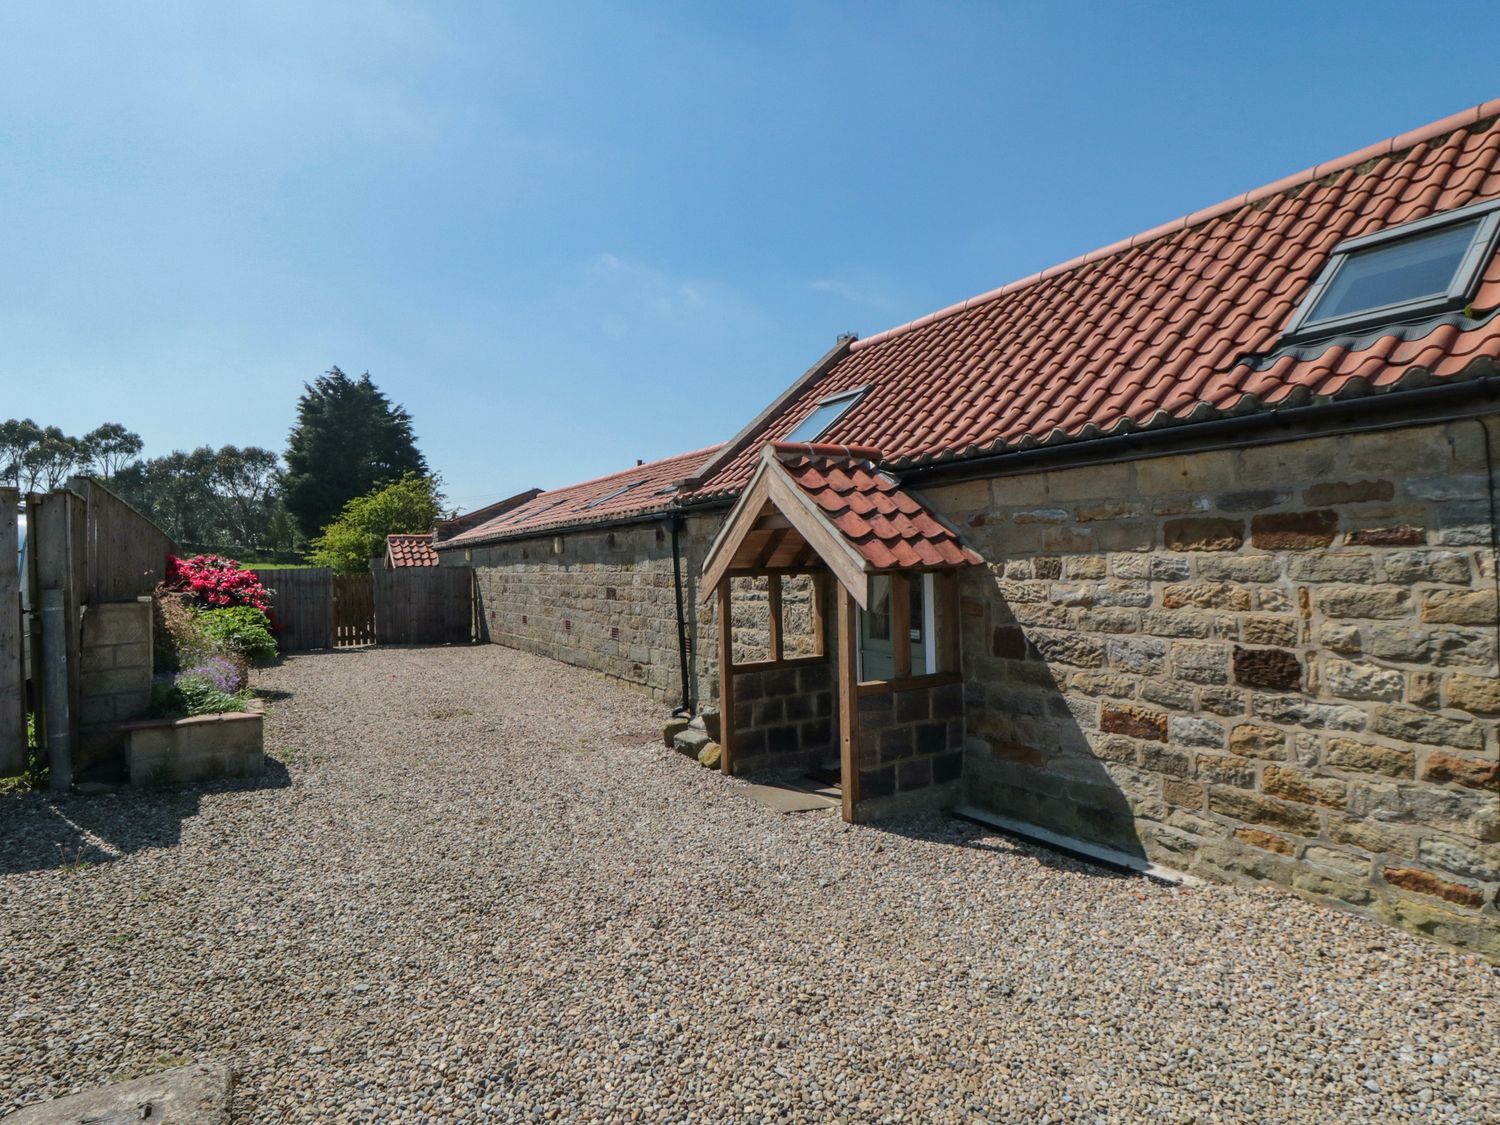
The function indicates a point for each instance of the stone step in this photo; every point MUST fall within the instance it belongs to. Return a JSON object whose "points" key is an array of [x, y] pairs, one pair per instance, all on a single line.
{"points": [[691, 741]]}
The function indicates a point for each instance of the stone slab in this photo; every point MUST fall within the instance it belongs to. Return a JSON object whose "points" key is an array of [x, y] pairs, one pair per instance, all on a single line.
{"points": [[788, 799], [197, 1094]]}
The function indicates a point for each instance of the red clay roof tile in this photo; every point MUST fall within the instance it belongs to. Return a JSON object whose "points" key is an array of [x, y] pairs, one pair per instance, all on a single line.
{"points": [[887, 525], [637, 491], [410, 550], [1155, 326]]}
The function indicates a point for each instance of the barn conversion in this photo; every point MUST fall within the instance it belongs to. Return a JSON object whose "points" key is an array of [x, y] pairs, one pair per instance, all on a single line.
{"points": [[1185, 548]]}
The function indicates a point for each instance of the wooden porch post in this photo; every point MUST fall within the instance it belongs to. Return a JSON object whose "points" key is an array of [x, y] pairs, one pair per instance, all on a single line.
{"points": [[848, 667], [726, 679]]}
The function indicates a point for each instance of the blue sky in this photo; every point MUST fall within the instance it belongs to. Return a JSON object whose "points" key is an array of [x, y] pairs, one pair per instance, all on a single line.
{"points": [[565, 236]]}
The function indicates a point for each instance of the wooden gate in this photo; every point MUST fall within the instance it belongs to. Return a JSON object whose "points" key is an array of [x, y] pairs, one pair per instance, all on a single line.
{"points": [[411, 606], [353, 610], [424, 605]]}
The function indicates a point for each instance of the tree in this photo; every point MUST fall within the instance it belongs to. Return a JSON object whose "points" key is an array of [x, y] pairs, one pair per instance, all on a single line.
{"points": [[110, 448], [349, 439], [358, 535], [51, 460], [17, 438], [221, 498]]}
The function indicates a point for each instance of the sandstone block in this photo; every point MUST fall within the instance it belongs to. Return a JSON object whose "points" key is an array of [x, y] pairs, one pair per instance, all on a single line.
{"points": [[1334, 566], [1437, 646], [1344, 889], [1293, 531], [1240, 568], [1346, 754], [1348, 492], [1253, 499], [1397, 535], [1201, 663], [1379, 839], [1134, 721], [1460, 607], [1168, 694], [1349, 680], [1206, 595], [1265, 629], [1159, 759], [1251, 741], [1175, 791], [1076, 649], [1268, 841], [1294, 785], [1426, 566], [1426, 883], [1479, 695], [1407, 724], [1381, 602], [1221, 700], [1476, 773], [1295, 710], [709, 755], [1339, 638], [1461, 859], [1277, 669], [1202, 533], [1218, 769], [1141, 655], [1350, 863], [673, 728], [1189, 730], [1298, 819]]}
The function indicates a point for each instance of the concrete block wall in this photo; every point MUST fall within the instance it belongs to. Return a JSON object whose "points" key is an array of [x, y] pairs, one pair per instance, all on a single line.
{"points": [[784, 717], [201, 748], [1273, 664], [115, 662], [910, 746]]}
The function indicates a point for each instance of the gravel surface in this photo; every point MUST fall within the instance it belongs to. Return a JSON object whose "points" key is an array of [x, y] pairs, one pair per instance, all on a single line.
{"points": [[476, 887]]}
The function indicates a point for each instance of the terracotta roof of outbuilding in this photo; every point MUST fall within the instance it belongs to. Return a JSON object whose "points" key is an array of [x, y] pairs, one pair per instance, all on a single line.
{"points": [[885, 524], [636, 491], [1178, 324], [410, 550]]}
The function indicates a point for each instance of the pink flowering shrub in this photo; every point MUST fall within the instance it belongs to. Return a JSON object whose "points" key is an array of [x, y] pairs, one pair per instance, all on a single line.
{"points": [[214, 582]]}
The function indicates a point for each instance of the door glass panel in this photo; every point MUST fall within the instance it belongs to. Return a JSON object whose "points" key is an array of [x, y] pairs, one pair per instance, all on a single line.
{"points": [[918, 619], [877, 656]]}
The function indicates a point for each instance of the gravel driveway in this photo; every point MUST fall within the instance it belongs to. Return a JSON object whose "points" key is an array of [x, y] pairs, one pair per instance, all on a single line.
{"points": [[476, 887]]}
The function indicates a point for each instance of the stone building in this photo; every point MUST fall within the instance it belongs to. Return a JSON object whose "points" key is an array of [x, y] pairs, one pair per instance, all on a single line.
{"points": [[1185, 548]]}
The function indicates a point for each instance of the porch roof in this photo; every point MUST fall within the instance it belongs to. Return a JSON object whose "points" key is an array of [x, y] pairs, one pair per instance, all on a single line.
{"points": [[831, 503]]}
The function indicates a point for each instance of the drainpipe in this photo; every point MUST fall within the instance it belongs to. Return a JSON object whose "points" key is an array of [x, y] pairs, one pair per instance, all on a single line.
{"points": [[686, 708]]}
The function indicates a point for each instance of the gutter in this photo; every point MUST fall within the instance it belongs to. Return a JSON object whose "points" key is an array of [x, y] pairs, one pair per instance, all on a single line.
{"points": [[686, 707], [1440, 402]]}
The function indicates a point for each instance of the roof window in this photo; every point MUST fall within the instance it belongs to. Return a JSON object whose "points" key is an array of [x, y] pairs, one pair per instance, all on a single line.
{"points": [[1412, 270], [824, 415], [611, 495]]}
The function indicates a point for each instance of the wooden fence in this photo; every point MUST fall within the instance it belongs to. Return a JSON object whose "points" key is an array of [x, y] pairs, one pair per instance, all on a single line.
{"points": [[424, 605], [12, 637], [84, 547], [125, 554], [302, 602], [420, 605]]}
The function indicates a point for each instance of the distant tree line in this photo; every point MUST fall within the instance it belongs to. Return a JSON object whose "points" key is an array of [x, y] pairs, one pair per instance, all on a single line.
{"points": [[350, 440]]}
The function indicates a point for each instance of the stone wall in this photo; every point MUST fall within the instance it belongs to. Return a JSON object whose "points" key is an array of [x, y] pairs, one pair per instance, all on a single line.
{"points": [[114, 683], [603, 600], [1275, 663], [910, 746], [784, 717]]}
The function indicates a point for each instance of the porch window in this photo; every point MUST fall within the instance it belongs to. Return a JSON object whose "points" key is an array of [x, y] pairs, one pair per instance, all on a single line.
{"points": [[884, 629]]}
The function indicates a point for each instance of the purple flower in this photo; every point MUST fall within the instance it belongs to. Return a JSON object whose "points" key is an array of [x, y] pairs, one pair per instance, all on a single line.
{"points": [[216, 670]]}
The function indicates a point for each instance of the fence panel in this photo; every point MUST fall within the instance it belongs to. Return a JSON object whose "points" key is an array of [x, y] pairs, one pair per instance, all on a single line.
{"points": [[424, 605], [302, 600], [12, 637], [125, 554], [353, 609]]}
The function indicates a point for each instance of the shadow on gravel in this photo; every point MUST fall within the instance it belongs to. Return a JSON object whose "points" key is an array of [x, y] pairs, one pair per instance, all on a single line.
{"points": [[955, 833], [40, 832]]}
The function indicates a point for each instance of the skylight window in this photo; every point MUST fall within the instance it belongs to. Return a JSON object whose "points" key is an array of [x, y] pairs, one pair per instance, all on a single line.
{"points": [[611, 495], [824, 415], [1412, 270]]}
